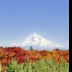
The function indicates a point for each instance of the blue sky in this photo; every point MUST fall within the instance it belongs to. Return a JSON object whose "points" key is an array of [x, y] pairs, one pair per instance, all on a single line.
{"points": [[21, 18]]}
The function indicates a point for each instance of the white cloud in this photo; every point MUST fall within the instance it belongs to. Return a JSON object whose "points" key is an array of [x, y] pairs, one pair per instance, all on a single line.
{"points": [[35, 40]]}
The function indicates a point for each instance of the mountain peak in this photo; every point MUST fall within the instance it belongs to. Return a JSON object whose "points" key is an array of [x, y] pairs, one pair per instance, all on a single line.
{"points": [[36, 40]]}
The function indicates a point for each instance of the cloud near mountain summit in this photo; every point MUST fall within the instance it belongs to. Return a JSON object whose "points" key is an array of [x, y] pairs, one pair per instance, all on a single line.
{"points": [[35, 40]]}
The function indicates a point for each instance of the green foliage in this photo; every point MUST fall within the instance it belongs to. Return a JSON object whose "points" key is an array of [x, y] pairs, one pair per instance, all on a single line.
{"points": [[39, 66], [31, 48]]}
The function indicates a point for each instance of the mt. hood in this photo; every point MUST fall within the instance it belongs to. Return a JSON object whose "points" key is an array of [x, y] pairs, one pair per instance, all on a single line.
{"points": [[36, 40]]}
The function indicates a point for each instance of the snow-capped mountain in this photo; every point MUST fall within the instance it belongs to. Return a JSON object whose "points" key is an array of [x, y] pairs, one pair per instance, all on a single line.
{"points": [[36, 41]]}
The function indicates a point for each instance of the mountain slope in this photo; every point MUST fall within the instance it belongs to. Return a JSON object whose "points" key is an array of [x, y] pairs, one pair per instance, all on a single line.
{"points": [[35, 40]]}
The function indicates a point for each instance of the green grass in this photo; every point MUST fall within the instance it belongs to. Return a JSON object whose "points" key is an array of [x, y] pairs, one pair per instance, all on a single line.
{"points": [[39, 66]]}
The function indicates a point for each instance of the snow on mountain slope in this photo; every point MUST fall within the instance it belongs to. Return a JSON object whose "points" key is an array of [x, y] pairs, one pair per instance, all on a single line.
{"points": [[36, 40]]}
